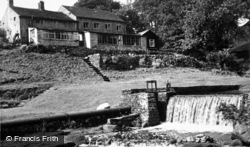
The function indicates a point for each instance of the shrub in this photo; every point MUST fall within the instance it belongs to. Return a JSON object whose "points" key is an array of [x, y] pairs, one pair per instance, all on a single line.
{"points": [[232, 113], [225, 61], [120, 62]]}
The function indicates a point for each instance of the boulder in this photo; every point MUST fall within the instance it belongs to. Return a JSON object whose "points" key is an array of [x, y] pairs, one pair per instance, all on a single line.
{"points": [[242, 132], [128, 119], [200, 145], [103, 106], [236, 142], [109, 128]]}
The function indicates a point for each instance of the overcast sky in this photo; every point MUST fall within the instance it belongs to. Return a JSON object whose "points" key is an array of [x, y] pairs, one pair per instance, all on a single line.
{"points": [[53, 5]]}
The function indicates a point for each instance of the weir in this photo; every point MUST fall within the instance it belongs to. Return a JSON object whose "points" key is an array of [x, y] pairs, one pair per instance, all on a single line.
{"points": [[200, 109], [187, 106]]}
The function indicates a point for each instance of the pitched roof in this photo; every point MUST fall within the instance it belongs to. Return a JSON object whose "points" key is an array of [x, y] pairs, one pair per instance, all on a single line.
{"points": [[93, 13], [145, 32], [41, 14]]}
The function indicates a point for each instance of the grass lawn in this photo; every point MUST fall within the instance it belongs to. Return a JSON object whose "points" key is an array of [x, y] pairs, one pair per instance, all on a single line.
{"points": [[87, 96]]}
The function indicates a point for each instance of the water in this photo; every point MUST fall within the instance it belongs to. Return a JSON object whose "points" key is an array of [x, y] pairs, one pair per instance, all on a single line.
{"points": [[200, 109]]}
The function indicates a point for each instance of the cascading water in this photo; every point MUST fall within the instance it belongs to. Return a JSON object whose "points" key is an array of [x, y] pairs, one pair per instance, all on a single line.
{"points": [[200, 109]]}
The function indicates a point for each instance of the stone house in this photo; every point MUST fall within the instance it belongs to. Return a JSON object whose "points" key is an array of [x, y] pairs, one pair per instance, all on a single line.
{"points": [[100, 29], [39, 26], [73, 26]]}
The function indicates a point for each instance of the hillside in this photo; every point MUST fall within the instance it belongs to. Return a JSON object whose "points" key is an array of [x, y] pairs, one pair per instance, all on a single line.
{"points": [[20, 67]]}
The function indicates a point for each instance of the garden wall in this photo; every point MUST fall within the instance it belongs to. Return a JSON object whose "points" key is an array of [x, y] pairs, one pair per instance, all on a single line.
{"points": [[131, 61]]}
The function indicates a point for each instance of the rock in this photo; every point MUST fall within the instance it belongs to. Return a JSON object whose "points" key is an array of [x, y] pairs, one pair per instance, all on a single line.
{"points": [[173, 141], [200, 135], [200, 145], [190, 139], [243, 133], [236, 142], [127, 120], [103, 106], [86, 145], [109, 128]]}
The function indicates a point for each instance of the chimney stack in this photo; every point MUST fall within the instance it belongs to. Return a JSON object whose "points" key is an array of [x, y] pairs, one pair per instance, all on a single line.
{"points": [[41, 5], [11, 3]]}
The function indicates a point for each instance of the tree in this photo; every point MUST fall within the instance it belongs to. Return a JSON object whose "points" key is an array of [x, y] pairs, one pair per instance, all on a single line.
{"points": [[209, 25], [164, 17], [99, 4], [132, 19]]}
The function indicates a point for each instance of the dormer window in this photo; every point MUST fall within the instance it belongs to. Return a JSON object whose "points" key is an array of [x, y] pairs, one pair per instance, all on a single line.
{"points": [[86, 25], [108, 26]]}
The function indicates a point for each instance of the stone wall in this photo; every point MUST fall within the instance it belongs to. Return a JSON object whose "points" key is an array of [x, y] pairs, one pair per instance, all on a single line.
{"points": [[145, 104]]}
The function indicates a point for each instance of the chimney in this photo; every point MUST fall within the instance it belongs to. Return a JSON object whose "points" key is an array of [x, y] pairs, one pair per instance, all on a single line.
{"points": [[11, 3], [41, 5]]}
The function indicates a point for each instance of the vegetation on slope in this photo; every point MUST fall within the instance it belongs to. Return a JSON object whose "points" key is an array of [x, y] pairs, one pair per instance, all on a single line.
{"points": [[33, 67]]}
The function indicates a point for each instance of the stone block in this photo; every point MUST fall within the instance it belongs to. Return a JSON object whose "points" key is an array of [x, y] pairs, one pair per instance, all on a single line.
{"points": [[123, 120], [109, 128]]}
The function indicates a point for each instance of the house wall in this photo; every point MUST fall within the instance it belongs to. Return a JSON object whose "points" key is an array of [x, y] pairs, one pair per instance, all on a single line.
{"points": [[11, 22], [69, 42], [101, 28], [91, 40], [26, 22]]}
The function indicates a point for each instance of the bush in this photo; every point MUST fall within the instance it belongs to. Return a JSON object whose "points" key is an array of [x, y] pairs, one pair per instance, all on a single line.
{"points": [[225, 61], [120, 62], [232, 113], [82, 52]]}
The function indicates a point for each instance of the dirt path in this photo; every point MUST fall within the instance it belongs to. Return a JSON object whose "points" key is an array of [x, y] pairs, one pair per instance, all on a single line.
{"points": [[86, 97]]}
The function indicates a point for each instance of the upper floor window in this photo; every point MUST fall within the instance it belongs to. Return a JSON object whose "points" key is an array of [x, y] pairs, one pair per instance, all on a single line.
{"points": [[86, 25], [108, 26], [14, 18], [119, 27], [96, 25]]}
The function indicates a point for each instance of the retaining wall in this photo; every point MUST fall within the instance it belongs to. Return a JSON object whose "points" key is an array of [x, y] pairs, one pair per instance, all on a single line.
{"points": [[60, 122]]}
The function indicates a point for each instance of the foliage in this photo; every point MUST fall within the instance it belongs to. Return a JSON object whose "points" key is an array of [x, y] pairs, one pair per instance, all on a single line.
{"points": [[211, 24], [99, 4], [121, 62], [82, 52], [164, 18], [132, 19], [232, 113], [225, 61]]}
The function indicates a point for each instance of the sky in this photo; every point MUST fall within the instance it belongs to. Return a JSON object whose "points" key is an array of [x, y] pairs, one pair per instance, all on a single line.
{"points": [[52, 5]]}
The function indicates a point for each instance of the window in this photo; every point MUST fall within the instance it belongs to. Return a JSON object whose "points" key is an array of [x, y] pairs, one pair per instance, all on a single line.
{"points": [[46, 35], [56, 35], [131, 40], [14, 18], [51, 35], [85, 25], [107, 39], [118, 27], [96, 25], [108, 26], [151, 43]]}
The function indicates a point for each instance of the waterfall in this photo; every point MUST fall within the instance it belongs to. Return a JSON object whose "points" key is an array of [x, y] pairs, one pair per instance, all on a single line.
{"points": [[200, 109]]}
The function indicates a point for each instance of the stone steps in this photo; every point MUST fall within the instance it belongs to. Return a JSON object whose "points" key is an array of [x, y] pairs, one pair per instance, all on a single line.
{"points": [[105, 78]]}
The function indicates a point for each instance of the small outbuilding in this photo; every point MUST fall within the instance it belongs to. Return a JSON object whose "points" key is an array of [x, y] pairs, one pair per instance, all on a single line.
{"points": [[152, 40]]}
